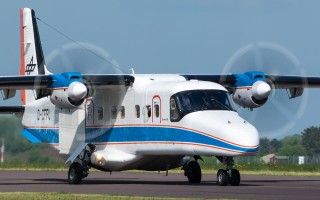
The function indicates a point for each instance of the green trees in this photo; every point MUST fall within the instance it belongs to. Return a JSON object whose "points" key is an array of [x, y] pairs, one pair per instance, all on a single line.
{"points": [[306, 143], [10, 132], [292, 146], [311, 140], [288, 146], [19, 150], [269, 146]]}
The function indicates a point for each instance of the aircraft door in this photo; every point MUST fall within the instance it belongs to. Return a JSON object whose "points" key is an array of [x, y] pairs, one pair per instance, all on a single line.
{"points": [[89, 112], [156, 109]]}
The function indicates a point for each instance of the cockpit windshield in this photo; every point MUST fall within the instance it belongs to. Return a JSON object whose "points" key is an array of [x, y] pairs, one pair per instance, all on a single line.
{"points": [[199, 100]]}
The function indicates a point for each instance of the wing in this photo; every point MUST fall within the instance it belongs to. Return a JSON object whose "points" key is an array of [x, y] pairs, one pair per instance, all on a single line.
{"points": [[11, 109], [45, 85], [275, 81], [106, 80], [283, 82], [48, 81], [25, 82]]}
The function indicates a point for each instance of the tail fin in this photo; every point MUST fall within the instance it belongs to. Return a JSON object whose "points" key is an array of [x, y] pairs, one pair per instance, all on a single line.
{"points": [[31, 55]]}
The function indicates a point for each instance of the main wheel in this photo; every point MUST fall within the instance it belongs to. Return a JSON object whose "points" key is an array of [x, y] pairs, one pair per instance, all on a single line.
{"points": [[235, 177], [75, 173], [194, 172], [222, 177]]}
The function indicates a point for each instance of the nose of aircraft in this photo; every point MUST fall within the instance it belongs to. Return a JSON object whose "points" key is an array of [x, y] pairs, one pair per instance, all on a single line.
{"points": [[227, 128]]}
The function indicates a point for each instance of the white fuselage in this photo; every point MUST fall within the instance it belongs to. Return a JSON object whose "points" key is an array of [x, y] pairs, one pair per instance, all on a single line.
{"points": [[133, 127]]}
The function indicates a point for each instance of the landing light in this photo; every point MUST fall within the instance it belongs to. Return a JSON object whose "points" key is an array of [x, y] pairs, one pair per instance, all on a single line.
{"points": [[99, 158]]}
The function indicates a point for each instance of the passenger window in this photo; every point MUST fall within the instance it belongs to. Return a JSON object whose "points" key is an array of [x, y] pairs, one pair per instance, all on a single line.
{"points": [[114, 112], [122, 112], [147, 111], [157, 110], [89, 112], [137, 108], [100, 113]]}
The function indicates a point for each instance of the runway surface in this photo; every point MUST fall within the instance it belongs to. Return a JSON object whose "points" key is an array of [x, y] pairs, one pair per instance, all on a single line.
{"points": [[159, 185]]}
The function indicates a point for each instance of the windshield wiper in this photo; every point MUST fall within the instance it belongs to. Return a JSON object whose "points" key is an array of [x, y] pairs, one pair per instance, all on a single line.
{"points": [[205, 103], [221, 104]]}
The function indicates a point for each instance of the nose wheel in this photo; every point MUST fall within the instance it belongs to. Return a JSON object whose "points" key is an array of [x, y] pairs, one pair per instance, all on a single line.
{"points": [[193, 171], [229, 175]]}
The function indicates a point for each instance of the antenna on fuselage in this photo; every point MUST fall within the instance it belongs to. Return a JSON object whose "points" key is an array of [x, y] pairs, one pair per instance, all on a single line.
{"points": [[132, 70]]}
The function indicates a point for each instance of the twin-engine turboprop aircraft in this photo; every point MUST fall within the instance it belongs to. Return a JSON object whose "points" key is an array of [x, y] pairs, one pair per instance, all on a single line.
{"points": [[140, 121]]}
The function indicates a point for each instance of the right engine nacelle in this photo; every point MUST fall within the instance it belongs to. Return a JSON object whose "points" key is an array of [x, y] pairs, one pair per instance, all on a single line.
{"points": [[252, 97]]}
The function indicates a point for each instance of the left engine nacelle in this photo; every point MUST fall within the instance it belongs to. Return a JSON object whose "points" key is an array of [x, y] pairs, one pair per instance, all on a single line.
{"points": [[69, 97], [252, 97]]}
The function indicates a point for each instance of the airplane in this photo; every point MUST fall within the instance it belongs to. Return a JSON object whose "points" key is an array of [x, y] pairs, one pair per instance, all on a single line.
{"points": [[153, 122]]}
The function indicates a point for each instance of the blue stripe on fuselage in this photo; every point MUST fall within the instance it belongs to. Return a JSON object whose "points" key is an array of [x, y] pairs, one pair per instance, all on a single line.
{"points": [[134, 134]]}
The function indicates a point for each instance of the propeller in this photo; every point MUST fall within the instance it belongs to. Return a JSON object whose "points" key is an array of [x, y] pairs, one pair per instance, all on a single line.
{"points": [[279, 114], [82, 57], [86, 58]]}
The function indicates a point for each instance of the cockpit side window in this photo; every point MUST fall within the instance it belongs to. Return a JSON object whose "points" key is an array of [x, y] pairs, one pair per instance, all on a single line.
{"points": [[174, 113]]}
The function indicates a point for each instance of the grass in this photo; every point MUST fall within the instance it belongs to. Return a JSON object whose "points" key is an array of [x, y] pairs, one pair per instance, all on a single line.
{"points": [[34, 166], [55, 196]]}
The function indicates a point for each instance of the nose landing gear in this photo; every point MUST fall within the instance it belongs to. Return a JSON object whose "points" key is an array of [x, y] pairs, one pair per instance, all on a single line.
{"points": [[192, 170], [229, 175]]}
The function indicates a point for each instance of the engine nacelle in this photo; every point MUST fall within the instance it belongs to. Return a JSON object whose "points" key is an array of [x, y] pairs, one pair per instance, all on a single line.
{"points": [[69, 97], [252, 97]]}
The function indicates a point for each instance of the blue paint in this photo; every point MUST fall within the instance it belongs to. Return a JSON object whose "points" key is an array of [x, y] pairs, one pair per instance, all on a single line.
{"points": [[42, 135], [65, 79], [27, 134], [141, 134], [249, 78]]}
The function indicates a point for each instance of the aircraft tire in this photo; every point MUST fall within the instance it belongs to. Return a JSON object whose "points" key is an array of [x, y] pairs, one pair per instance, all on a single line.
{"points": [[222, 177], [194, 172], [235, 177], [75, 173]]}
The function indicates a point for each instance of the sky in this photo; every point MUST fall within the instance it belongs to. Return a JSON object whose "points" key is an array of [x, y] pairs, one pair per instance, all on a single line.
{"points": [[182, 37]]}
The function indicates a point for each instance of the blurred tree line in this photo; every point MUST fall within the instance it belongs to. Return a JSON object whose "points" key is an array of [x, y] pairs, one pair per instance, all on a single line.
{"points": [[306, 143], [19, 150]]}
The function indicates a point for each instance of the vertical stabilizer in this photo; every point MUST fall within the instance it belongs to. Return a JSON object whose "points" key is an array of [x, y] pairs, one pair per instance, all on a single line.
{"points": [[31, 55]]}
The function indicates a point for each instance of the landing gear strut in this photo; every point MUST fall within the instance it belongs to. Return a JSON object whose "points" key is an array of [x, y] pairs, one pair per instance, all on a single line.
{"points": [[80, 166], [192, 170], [229, 175]]}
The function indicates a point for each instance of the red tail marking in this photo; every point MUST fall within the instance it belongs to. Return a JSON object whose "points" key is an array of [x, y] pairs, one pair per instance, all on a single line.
{"points": [[22, 60]]}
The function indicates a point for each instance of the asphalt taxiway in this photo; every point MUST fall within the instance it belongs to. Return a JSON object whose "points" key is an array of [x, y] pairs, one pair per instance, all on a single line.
{"points": [[160, 185]]}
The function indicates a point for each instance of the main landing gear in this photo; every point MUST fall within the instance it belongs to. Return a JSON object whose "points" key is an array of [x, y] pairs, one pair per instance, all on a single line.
{"points": [[80, 166], [229, 175]]}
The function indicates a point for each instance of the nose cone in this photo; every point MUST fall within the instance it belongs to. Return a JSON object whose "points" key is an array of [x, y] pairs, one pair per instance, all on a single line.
{"points": [[261, 90], [77, 91], [226, 130]]}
